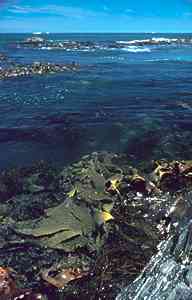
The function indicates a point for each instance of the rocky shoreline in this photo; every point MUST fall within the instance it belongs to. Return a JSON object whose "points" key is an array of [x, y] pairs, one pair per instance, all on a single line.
{"points": [[88, 229], [36, 68]]}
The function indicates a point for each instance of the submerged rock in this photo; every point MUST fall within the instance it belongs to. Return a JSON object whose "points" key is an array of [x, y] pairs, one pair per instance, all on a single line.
{"points": [[2, 57], [36, 68]]}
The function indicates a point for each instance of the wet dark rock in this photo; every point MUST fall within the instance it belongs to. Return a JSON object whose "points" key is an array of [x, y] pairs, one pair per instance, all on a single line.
{"points": [[38, 178], [168, 274], [10, 184], [29, 206]]}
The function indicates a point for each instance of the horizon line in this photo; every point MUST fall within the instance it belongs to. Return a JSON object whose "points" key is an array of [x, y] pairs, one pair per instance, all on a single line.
{"points": [[99, 32]]}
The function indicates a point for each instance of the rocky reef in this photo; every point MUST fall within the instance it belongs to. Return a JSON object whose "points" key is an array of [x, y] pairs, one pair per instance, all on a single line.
{"points": [[2, 57], [38, 42], [41, 43], [36, 68], [88, 229]]}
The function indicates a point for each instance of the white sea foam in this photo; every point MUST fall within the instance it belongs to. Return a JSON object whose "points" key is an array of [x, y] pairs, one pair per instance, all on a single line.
{"points": [[135, 49], [152, 41], [164, 40], [124, 42], [133, 42], [157, 59], [46, 48]]}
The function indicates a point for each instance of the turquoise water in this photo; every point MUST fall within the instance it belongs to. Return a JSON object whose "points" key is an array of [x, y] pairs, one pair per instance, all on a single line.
{"points": [[135, 99]]}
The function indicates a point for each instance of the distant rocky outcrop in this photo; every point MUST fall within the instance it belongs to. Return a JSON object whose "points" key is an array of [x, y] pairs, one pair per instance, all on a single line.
{"points": [[41, 43], [34, 40]]}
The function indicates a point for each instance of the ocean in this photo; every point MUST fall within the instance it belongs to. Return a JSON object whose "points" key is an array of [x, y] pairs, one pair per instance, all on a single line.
{"points": [[132, 93]]}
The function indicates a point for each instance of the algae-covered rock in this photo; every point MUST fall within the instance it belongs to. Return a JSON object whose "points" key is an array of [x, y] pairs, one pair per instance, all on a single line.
{"points": [[31, 206], [58, 219], [74, 243], [90, 195], [31, 184], [36, 178], [172, 175], [90, 187], [55, 240], [68, 226], [89, 177], [62, 224], [68, 218]]}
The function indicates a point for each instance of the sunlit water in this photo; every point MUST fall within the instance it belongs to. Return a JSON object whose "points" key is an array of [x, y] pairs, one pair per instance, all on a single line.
{"points": [[117, 96]]}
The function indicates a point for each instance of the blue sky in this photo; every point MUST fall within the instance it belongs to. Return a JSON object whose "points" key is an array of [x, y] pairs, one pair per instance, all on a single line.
{"points": [[96, 15]]}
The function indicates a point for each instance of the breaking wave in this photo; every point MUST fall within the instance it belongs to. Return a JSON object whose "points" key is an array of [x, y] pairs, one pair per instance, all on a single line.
{"points": [[157, 41]]}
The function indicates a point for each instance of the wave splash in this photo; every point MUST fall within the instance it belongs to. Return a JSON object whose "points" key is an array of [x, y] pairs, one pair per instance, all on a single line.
{"points": [[135, 49]]}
